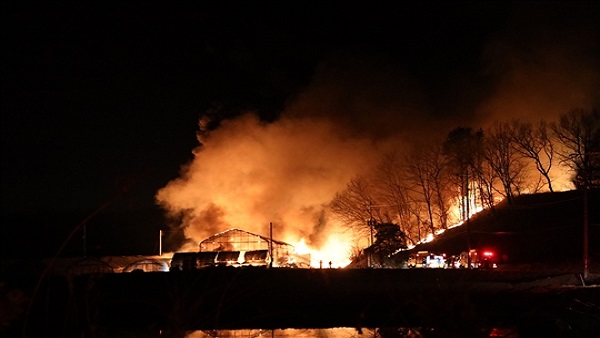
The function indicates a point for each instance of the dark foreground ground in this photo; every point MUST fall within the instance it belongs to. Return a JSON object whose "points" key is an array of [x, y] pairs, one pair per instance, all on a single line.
{"points": [[444, 303]]}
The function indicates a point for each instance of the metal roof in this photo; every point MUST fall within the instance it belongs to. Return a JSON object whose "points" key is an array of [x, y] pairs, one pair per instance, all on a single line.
{"points": [[240, 230]]}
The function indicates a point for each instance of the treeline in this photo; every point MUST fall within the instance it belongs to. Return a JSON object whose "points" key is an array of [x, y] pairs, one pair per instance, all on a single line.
{"points": [[432, 186]]}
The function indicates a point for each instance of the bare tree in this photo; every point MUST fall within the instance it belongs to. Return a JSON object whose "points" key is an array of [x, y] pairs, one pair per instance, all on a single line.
{"points": [[485, 183], [418, 221], [440, 181], [392, 191], [353, 205], [382, 197], [502, 158], [463, 148], [395, 203], [578, 132], [535, 143], [425, 169], [418, 174]]}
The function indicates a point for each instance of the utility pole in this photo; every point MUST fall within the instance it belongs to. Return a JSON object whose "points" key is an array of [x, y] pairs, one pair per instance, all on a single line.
{"points": [[587, 186], [271, 244], [160, 234], [84, 238], [371, 223], [585, 234], [468, 212]]}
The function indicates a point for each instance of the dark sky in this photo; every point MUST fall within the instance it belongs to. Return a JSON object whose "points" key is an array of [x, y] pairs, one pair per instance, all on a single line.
{"points": [[101, 100]]}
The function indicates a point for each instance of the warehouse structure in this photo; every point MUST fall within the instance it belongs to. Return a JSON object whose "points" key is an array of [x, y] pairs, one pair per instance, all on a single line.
{"points": [[235, 247], [235, 244]]}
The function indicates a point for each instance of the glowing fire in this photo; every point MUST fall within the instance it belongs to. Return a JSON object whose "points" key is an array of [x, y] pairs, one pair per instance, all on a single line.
{"points": [[334, 253], [247, 173], [455, 209]]}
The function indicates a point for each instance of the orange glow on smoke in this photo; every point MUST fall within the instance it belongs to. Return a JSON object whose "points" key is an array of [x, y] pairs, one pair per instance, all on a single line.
{"points": [[248, 174]]}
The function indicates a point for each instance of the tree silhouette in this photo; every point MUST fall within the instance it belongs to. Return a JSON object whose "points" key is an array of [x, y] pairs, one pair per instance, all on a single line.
{"points": [[535, 142], [505, 162], [425, 169], [463, 150], [389, 239], [578, 132], [352, 205]]}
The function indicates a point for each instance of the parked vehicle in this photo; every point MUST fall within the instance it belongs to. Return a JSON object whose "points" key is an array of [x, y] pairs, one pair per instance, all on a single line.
{"points": [[425, 259], [474, 259], [418, 260], [479, 259]]}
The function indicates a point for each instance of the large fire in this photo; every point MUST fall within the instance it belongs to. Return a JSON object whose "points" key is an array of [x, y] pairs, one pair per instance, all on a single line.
{"points": [[335, 253], [248, 173]]}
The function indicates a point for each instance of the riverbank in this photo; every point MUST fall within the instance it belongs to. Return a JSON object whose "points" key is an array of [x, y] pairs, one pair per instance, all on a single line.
{"points": [[454, 301]]}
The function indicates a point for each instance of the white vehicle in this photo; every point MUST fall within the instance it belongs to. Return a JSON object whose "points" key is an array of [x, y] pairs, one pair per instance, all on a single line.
{"points": [[436, 262], [424, 259]]}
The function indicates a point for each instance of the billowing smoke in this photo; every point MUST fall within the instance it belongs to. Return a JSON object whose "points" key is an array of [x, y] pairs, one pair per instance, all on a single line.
{"points": [[249, 173], [543, 63]]}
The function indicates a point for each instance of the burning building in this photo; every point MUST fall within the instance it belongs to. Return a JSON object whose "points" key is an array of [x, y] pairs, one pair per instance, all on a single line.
{"points": [[235, 247]]}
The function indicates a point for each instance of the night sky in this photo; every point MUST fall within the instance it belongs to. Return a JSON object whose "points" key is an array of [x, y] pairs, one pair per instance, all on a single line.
{"points": [[101, 100]]}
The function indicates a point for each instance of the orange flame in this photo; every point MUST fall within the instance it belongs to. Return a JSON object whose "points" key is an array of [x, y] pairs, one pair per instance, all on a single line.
{"points": [[335, 253]]}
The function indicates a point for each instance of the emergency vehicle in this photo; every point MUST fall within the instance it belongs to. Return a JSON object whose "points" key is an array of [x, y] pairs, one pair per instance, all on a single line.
{"points": [[480, 259], [425, 259]]}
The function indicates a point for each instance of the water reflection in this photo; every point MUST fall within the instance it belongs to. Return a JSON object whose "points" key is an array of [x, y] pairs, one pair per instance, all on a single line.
{"points": [[345, 332]]}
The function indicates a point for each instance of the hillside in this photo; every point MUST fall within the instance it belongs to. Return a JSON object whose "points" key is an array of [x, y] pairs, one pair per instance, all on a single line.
{"points": [[544, 229]]}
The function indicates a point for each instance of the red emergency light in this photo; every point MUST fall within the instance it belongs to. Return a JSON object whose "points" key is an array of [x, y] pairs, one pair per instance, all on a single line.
{"points": [[488, 254]]}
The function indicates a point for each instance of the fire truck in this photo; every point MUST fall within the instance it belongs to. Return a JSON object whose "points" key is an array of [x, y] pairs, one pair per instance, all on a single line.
{"points": [[479, 259]]}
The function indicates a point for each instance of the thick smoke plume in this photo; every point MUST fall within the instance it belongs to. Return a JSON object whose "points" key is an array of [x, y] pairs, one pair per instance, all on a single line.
{"points": [[248, 173], [543, 63]]}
